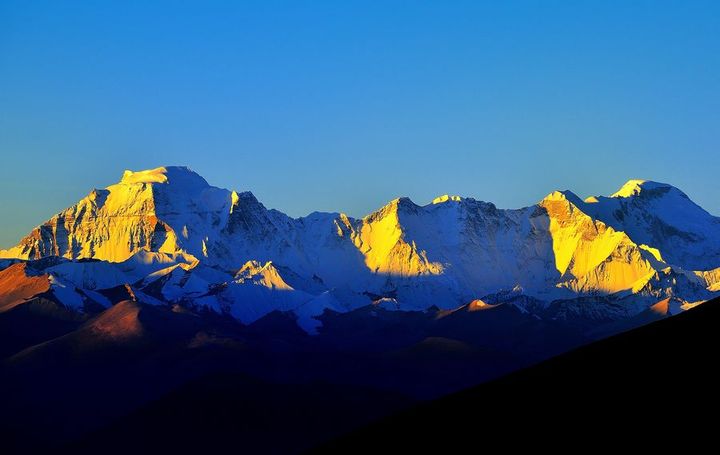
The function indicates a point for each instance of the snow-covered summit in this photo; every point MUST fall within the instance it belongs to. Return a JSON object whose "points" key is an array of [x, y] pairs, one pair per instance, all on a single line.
{"points": [[635, 187], [180, 176], [664, 217]]}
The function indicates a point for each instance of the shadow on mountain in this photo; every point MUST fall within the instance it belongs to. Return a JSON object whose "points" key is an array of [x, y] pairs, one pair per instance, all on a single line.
{"points": [[232, 412], [145, 376], [650, 386], [33, 322], [142, 378]]}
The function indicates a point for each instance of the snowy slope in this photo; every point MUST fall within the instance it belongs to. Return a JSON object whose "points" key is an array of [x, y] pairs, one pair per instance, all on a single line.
{"points": [[663, 217]]}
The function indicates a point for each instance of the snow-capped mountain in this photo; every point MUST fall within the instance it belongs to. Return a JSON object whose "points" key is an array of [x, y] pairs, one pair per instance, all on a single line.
{"points": [[664, 217], [175, 239]]}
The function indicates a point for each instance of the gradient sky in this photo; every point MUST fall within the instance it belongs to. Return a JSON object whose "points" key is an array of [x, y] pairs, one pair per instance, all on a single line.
{"points": [[342, 106]]}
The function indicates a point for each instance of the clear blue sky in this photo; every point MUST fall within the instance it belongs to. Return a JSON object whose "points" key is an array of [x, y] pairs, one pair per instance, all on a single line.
{"points": [[341, 106]]}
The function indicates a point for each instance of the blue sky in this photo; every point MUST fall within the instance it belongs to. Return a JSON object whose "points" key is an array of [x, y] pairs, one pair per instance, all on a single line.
{"points": [[341, 106]]}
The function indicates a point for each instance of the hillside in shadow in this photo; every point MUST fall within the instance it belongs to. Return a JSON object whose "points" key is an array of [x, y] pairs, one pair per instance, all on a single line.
{"points": [[653, 385]]}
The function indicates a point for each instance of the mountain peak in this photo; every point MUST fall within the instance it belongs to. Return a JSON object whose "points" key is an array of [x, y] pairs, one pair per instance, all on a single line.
{"points": [[565, 195], [176, 175], [403, 201], [636, 186], [395, 206], [255, 272], [446, 198]]}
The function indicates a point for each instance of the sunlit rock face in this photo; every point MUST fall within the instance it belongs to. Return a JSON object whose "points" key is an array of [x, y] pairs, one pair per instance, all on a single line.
{"points": [[387, 242], [18, 283], [590, 255], [157, 210], [177, 239]]}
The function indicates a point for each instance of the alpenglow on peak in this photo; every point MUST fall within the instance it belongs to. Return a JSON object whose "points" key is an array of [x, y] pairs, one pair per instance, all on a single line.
{"points": [[176, 175], [634, 187]]}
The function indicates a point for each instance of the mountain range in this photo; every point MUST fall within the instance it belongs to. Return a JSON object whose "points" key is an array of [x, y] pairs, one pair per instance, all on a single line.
{"points": [[162, 280], [175, 239]]}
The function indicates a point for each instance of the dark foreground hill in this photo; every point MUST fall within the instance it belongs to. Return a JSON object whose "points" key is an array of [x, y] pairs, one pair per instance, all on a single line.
{"points": [[142, 379], [654, 386]]}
